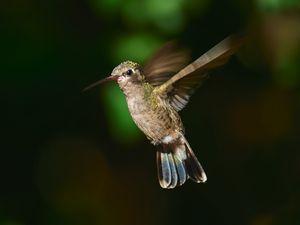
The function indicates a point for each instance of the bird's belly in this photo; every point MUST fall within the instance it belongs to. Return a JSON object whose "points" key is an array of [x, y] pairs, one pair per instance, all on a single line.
{"points": [[156, 123]]}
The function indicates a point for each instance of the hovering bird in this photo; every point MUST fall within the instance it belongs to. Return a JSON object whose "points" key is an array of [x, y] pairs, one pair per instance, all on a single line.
{"points": [[156, 93]]}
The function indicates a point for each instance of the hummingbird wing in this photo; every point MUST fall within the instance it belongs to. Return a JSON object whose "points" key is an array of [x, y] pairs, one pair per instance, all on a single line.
{"points": [[166, 62], [178, 89]]}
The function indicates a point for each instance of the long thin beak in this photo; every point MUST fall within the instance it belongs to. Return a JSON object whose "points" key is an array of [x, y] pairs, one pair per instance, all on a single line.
{"points": [[100, 82]]}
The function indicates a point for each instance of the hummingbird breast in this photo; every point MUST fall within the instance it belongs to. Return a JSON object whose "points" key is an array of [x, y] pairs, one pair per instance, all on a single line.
{"points": [[158, 120]]}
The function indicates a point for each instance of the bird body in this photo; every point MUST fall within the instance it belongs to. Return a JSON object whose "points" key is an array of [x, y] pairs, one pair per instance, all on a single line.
{"points": [[161, 124], [155, 93], [151, 113]]}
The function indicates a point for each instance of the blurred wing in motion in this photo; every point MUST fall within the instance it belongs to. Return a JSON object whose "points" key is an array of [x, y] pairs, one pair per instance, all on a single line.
{"points": [[166, 62], [182, 85]]}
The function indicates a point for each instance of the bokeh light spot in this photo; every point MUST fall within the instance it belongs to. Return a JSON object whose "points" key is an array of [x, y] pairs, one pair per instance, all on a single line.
{"points": [[266, 5], [262, 120], [73, 175], [134, 47], [106, 6], [167, 15]]}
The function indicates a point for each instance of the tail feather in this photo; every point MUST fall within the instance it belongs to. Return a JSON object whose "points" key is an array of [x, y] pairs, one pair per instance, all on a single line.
{"points": [[174, 177], [176, 162], [164, 170], [180, 166], [193, 166]]}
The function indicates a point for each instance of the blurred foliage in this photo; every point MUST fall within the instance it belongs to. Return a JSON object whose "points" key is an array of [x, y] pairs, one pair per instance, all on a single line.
{"points": [[167, 16], [266, 5], [77, 158], [121, 125], [145, 45]]}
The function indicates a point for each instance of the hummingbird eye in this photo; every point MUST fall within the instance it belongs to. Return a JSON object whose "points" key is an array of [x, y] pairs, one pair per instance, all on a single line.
{"points": [[129, 72]]}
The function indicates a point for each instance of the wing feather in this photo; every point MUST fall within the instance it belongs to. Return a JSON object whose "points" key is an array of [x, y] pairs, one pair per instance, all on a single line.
{"points": [[178, 89], [166, 62]]}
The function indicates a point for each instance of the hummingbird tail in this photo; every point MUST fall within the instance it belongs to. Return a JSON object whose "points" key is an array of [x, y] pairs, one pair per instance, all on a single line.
{"points": [[176, 162], [193, 166]]}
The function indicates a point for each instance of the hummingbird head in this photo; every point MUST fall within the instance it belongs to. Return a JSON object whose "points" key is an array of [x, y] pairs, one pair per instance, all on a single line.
{"points": [[125, 73]]}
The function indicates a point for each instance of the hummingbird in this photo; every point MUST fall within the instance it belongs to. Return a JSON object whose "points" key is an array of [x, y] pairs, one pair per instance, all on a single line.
{"points": [[156, 93]]}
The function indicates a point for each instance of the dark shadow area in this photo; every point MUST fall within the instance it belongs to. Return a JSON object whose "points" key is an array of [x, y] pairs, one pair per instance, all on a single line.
{"points": [[73, 158]]}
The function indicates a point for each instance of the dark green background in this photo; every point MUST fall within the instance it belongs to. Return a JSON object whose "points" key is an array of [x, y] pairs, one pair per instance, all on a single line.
{"points": [[77, 158]]}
